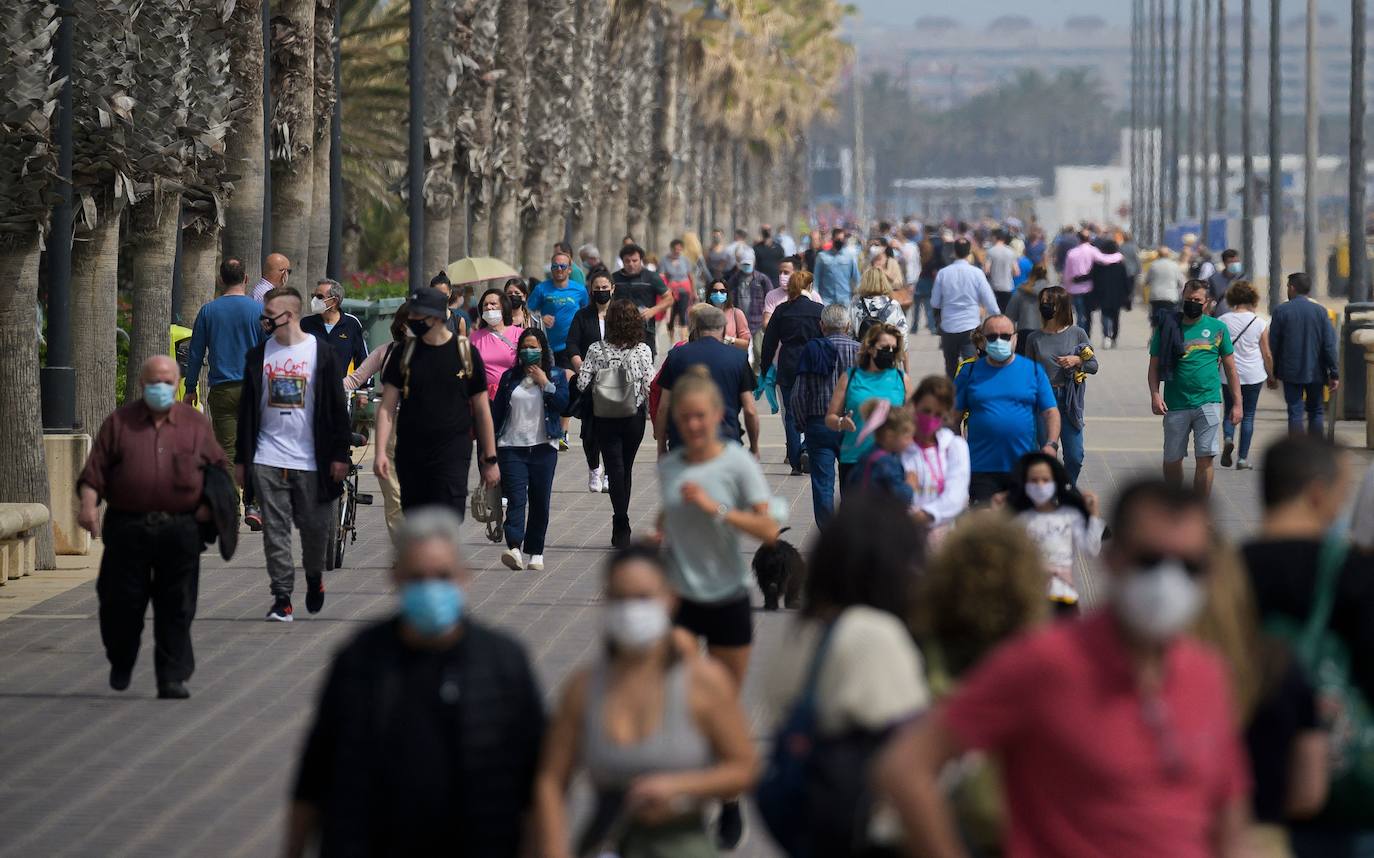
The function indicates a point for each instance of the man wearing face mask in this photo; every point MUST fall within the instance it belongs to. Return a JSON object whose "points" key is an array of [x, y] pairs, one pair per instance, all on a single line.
{"points": [[427, 734], [1007, 399], [1186, 351], [1230, 271], [1115, 734], [749, 290], [342, 331], [146, 465]]}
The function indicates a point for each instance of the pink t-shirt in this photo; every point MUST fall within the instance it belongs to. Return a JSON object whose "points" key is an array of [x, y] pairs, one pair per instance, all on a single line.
{"points": [[497, 355], [1090, 768], [778, 296]]}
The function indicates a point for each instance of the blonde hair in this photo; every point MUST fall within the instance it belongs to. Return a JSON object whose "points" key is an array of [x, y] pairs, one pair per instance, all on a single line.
{"points": [[798, 283], [869, 346], [874, 283], [691, 246], [696, 380]]}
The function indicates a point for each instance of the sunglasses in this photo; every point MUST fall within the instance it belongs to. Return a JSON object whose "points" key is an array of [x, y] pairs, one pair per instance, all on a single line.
{"points": [[559, 266], [1006, 337], [1151, 559], [718, 291]]}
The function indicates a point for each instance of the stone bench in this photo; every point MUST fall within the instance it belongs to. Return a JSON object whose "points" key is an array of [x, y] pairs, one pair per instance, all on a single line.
{"points": [[19, 526]]}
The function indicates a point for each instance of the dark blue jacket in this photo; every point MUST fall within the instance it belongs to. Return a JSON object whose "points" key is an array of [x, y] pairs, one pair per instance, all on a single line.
{"points": [[793, 324], [1303, 341], [555, 403]]}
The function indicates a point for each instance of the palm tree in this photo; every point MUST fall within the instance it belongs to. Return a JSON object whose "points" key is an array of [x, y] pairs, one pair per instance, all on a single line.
{"points": [[293, 129], [27, 159], [244, 154], [1247, 145], [547, 137], [640, 182], [508, 128], [446, 45], [318, 231], [588, 73], [476, 156], [1275, 157]]}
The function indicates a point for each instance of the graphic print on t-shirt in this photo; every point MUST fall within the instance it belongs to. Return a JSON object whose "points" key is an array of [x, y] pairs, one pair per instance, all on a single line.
{"points": [[286, 435], [286, 383]]}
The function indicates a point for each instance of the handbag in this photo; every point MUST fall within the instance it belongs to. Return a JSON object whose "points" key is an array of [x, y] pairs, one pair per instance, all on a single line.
{"points": [[485, 504], [613, 393], [1343, 706]]}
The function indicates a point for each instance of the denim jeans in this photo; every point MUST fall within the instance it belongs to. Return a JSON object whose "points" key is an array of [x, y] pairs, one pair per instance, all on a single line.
{"points": [[794, 438], [823, 446], [1083, 311], [922, 305], [1249, 400], [1071, 443], [527, 481], [1305, 397]]}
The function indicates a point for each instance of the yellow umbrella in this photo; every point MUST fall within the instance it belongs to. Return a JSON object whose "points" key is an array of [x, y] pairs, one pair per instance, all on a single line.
{"points": [[473, 269]]}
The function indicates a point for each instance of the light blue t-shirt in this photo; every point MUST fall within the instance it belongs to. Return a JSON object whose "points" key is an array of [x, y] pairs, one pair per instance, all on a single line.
{"points": [[549, 300], [1004, 405], [704, 560]]}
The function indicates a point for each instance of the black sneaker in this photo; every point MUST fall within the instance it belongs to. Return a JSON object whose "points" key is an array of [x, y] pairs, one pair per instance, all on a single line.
{"points": [[1226, 452], [314, 594], [729, 827], [281, 610], [805, 461], [120, 676], [172, 691]]}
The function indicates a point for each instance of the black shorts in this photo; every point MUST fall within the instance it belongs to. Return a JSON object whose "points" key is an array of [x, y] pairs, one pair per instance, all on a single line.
{"points": [[681, 304], [729, 623], [562, 360]]}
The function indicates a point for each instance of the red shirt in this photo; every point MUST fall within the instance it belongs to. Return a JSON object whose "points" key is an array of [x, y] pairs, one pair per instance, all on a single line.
{"points": [[138, 466], [1088, 769]]}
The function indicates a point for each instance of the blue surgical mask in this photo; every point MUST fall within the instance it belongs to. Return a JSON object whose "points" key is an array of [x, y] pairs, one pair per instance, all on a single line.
{"points": [[717, 298], [999, 350], [1233, 268], [159, 395], [746, 267], [431, 607]]}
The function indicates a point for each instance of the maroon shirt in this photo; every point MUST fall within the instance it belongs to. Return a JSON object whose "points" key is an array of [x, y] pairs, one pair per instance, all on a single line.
{"points": [[138, 466]]}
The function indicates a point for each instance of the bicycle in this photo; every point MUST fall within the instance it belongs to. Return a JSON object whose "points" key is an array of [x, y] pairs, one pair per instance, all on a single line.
{"points": [[346, 531]]}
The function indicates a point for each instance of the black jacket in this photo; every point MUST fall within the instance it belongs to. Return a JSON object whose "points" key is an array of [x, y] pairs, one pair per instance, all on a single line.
{"points": [[222, 497], [584, 330], [332, 430], [348, 339], [793, 324]]}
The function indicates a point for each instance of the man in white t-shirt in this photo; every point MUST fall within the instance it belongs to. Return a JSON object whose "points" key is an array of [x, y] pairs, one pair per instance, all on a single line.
{"points": [[294, 430]]}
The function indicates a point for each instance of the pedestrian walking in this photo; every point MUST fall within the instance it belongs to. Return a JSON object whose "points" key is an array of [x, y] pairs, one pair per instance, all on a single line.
{"points": [[720, 260], [1164, 280], [1001, 268], [644, 288], [737, 332], [1062, 349], [1133, 673], [1011, 411], [590, 257], [1024, 307], [589, 327], [659, 735], [677, 273], [276, 268], [147, 465], [341, 331], [881, 472], [748, 290], [931, 261], [837, 272], [1186, 352], [224, 330], [875, 303], [1303, 342], [1254, 365], [1221, 281], [1078, 262], [457, 320], [429, 725], [792, 325], [557, 300], [1062, 521], [876, 373], [614, 378], [768, 254], [496, 337], [822, 363], [778, 296], [937, 459], [294, 431], [518, 293], [376, 361], [727, 366], [442, 383], [1111, 292], [962, 296]]}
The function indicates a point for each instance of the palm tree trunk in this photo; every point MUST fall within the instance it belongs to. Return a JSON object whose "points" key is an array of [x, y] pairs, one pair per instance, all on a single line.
{"points": [[479, 223], [535, 242], [512, 101], [1247, 144], [318, 241], [244, 146], [1275, 156], [458, 223], [153, 224], [199, 266], [587, 88], [293, 129], [24, 478], [95, 319], [352, 233], [438, 227], [665, 185], [323, 104]]}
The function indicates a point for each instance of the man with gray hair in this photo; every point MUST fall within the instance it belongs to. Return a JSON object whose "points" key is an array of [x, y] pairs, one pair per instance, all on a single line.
{"points": [[341, 330], [819, 368], [590, 257], [749, 290], [459, 705], [729, 368]]}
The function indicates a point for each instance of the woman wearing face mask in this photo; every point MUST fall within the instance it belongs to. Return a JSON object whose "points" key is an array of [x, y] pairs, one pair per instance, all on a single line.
{"points": [[1024, 307], [495, 338], [736, 325], [1062, 522], [1064, 351], [527, 412], [877, 373], [937, 460], [518, 293], [660, 736], [588, 328]]}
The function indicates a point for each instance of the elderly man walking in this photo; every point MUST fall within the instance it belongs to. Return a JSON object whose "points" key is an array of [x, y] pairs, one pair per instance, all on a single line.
{"points": [[147, 466], [961, 295], [1303, 343], [819, 368], [342, 331]]}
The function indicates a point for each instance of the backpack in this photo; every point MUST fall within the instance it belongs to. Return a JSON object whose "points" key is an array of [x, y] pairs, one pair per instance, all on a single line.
{"points": [[867, 318], [461, 343], [613, 393], [1344, 709]]}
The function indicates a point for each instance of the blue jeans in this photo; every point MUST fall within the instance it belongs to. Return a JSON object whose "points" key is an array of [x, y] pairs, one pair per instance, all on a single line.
{"points": [[1071, 443], [922, 295], [527, 480], [1249, 400], [1083, 310], [794, 438], [1294, 395], [823, 446]]}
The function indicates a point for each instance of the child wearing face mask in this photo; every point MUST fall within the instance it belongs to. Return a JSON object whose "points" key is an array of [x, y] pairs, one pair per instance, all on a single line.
{"points": [[881, 470], [1062, 521]]}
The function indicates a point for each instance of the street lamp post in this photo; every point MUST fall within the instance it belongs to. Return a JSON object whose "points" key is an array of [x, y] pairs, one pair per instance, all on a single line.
{"points": [[1359, 279], [334, 262], [416, 160], [1275, 157], [57, 378]]}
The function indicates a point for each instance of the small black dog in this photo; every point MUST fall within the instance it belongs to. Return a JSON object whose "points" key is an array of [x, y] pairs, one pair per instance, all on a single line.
{"points": [[781, 572]]}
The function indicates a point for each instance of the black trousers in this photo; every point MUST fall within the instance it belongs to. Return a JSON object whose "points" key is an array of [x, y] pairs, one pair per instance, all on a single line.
{"points": [[1003, 299], [587, 432], [437, 477], [618, 439], [955, 348], [147, 557]]}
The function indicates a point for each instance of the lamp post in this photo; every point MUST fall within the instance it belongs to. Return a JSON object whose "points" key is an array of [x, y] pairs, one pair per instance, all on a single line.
{"points": [[334, 262], [416, 159], [1359, 277], [57, 378]]}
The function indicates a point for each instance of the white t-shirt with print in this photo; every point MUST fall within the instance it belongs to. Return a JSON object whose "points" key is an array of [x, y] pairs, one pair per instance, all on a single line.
{"points": [[286, 433]]}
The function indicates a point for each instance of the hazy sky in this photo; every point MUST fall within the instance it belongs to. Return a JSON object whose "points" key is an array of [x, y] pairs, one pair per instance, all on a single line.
{"points": [[1115, 11]]}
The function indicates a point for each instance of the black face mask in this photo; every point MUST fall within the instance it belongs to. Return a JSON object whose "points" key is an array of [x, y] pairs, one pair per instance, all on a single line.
{"points": [[1192, 309], [1047, 311], [270, 323], [418, 327], [884, 358], [516, 300], [601, 297]]}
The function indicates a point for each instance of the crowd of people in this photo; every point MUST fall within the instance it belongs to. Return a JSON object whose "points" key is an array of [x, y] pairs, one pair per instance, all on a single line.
{"points": [[932, 692]]}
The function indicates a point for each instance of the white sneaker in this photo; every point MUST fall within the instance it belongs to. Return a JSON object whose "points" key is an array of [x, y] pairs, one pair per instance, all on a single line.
{"points": [[513, 559], [594, 480], [536, 562]]}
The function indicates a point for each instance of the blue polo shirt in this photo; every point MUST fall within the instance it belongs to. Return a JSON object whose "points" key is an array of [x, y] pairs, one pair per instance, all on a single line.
{"points": [[1004, 405], [549, 300]]}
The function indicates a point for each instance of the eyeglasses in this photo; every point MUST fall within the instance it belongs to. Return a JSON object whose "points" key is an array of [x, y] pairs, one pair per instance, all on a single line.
{"points": [[322, 296], [1006, 337], [559, 266]]}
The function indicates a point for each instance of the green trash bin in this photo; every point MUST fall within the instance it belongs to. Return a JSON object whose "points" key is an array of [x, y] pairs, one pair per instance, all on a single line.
{"points": [[376, 317]]}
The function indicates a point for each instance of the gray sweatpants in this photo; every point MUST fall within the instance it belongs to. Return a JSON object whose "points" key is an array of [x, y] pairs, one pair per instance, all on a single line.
{"points": [[287, 496]]}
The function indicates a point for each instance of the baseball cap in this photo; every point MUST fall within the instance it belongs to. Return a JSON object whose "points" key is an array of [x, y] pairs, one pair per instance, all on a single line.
{"points": [[428, 301]]}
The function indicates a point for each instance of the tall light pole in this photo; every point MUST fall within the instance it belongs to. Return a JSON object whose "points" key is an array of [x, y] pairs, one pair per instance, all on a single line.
{"points": [[1359, 279], [1275, 155], [1176, 111], [334, 262], [1162, 93], [1135, 119], [1309, 159], [1205, 128], [1192, 110], [57, 378], [1223, 197], [1247, 142], [415, 179]]}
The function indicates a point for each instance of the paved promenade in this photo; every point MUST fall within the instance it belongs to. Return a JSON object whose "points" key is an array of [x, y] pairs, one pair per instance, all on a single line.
{"points": [[85, 771]]}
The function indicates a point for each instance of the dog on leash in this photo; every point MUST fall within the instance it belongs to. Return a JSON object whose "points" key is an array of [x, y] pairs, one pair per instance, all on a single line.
{"points": [[781, 572]]}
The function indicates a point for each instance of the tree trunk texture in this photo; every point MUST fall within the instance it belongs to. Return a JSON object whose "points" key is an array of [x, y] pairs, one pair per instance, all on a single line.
{"points": [[536, 245], [725, 185], [319, 209], [437, 230], [664, 184], [512, 102], [244, 144], [442, 75], [584, 141], [351, 252], [153, 224], [458, 223], [479, 223], [199, 267], [95, 319], [24, 477], [293, 129], [322, 69]]}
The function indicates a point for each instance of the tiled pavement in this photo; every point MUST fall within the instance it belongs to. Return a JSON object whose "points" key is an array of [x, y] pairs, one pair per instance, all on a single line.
{"points": [[85, 771]]}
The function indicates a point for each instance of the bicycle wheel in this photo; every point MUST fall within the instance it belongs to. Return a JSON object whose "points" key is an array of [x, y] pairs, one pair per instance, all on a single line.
{"points": [[344, 523]]}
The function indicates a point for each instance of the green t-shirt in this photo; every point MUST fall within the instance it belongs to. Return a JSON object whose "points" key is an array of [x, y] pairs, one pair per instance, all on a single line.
{"points": [[1197, 375]]}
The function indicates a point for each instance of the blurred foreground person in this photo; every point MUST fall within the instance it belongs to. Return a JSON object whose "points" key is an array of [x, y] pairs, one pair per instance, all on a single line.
{"points": [[427, 732], [659, 734], [1161, 771]]}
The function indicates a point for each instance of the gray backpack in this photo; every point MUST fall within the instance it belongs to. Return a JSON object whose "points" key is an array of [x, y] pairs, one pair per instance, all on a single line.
{"points": [[613, 393]]}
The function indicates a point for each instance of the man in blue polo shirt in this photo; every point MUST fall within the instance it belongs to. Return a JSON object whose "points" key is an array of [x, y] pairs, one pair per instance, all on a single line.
{"points": [[1002, 394]]}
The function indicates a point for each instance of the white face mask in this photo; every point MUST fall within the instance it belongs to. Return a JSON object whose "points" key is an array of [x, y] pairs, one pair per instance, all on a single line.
{"points": [[1040, 492], [317, 305], [783, 277], [493, 317], [635, 624], [1158, 603]]}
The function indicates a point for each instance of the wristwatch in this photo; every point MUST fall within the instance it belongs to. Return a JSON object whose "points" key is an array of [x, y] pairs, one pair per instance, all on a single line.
{"points": [[1055, 445], [721, 512], [489, 460]]}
